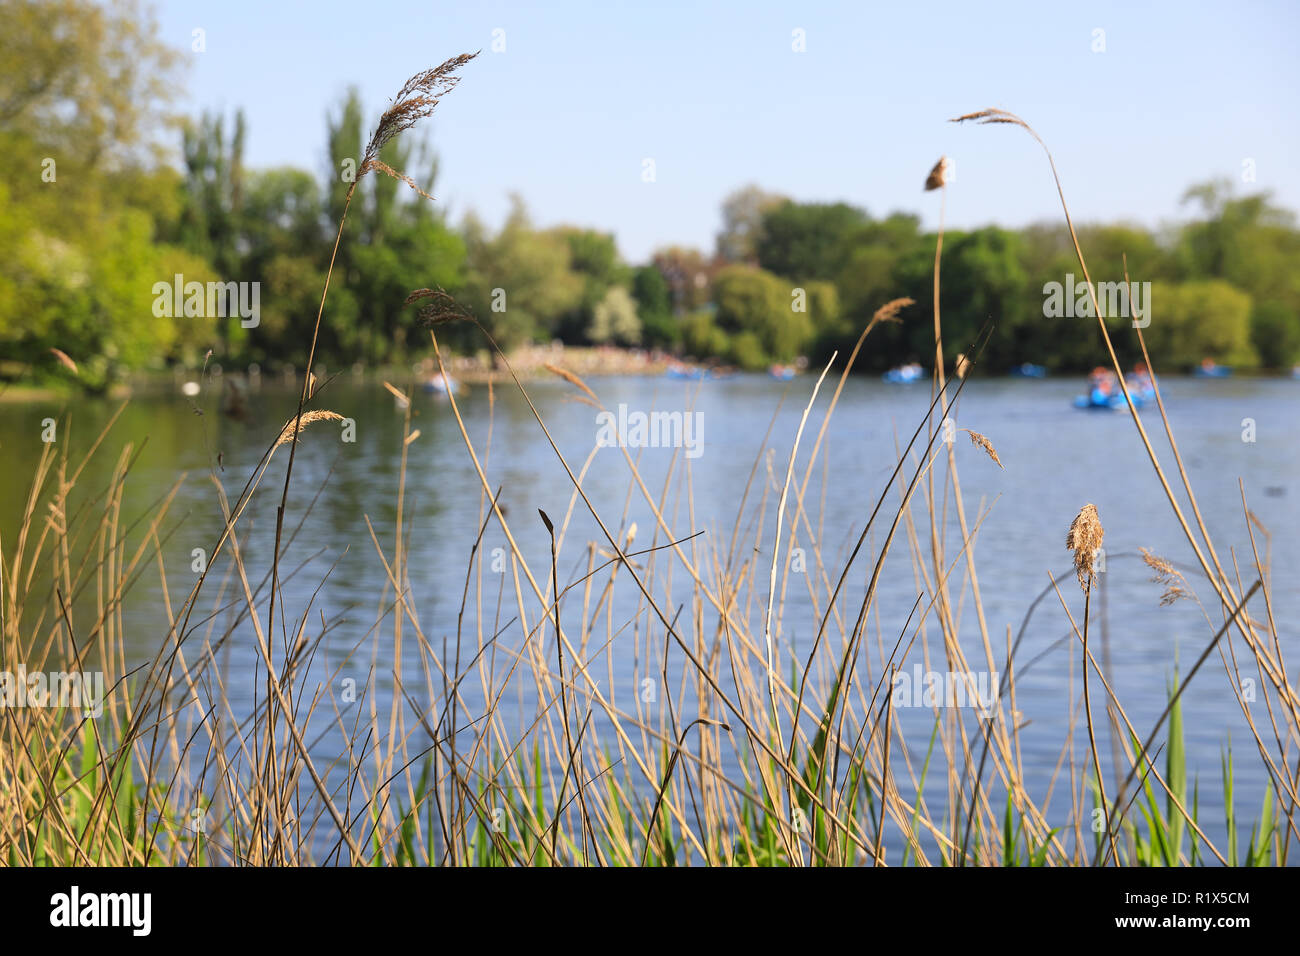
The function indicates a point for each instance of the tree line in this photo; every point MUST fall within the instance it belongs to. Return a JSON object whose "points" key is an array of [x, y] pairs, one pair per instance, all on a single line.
{"points": [[94, 215]]}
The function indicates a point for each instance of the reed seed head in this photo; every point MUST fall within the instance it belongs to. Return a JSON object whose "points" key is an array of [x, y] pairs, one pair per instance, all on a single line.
{"points": [[390, 171], [938, 176], [1173, 593], [443, 308], [889, 311], [413, 102], [990, 116], [288, 432], [1168, 575], [66, 362], [1084, 539], [1163, 569], [569, 377], [978, 439]]}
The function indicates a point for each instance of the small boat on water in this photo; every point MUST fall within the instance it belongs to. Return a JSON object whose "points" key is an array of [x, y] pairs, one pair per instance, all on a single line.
{"points": [[697, 373], [686, 373], [1104, 390], [904, 374], [782, 373], [1029, 370], [1096, 398], [439, 384], [1212, 369]]}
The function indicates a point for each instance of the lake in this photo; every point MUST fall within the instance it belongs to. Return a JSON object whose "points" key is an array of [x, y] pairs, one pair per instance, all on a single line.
{"points": [[1056, 460]]}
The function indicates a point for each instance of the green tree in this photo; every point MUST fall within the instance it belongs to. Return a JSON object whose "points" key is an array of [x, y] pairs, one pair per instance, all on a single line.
{"points": [[689, 276], [808, 240], [1275, 333], [614, 320], [283, 215], [91, 82], [982, 281], [1191, 321], [1253, 244], [520, 282], [742, 223], [1108, 247], [654, 304], [594, 257], [751, 300], [212, 220], [702, 338], [344, 146]]}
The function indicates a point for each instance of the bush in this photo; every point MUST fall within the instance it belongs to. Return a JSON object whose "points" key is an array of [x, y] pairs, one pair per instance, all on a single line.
{"points": [[1191, 321], [751, 300], [661, 329], [1275, 333], [747, 352], [702, 337]]}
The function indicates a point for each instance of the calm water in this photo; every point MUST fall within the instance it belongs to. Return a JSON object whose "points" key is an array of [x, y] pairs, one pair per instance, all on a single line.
{"points": [[1057, 458]]}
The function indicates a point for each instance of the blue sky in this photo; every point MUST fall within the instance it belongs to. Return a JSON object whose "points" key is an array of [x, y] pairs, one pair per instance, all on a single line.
{"points": [[715, 94]]}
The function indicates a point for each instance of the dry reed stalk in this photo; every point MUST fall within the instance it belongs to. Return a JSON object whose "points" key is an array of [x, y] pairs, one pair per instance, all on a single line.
{"points": [[414, 101], [939, 180], [755, 735], [1145, 751], [1206, 556], [768, 637], [1220, 582]]}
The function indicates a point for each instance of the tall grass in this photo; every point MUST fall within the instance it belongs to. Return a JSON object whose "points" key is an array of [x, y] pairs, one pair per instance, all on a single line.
{"points": [[743, 748]]}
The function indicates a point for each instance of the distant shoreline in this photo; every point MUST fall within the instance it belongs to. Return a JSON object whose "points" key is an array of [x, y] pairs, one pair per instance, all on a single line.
{"points": [[528, 362]]}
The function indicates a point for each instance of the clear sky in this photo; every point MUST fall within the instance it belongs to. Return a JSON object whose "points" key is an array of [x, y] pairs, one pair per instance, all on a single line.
{"points": [[717, 96]]}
